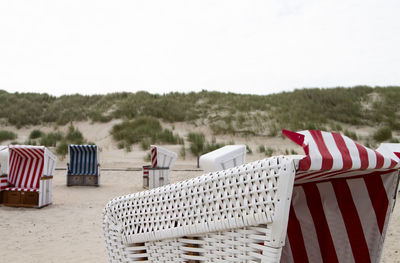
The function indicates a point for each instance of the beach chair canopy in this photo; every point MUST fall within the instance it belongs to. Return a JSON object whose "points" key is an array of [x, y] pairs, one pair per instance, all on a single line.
{"points": [[161, 157], [83, 159], [27, 164], [223, 158], [342, 199]]}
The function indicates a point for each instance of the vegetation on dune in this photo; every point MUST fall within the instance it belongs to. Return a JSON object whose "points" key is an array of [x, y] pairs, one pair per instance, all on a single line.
{"points": [[57, 139], [144, 130], [383, 134], [199, 145], [223, 113], [7, 135]]}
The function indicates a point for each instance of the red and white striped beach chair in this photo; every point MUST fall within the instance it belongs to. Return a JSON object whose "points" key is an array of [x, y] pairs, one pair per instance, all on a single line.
{"points": [[31, 170], [332, 204], [157, 174]]}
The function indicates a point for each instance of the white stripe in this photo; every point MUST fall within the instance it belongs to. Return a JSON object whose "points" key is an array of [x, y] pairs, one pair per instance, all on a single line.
{"points": [[306, 224], [315, 155], [371, 158], [367, 215], [387, 161], [287, 255], [32, 174], [336, 224], [20, 175], [354, 154], [333, 150]]}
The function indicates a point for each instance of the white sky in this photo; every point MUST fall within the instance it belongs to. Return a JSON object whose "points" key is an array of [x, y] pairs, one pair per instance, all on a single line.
{"points": [[259, 46]]}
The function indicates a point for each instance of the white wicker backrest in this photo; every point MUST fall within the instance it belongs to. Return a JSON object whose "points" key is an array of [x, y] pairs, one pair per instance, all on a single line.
{"points": [[258, 193]]}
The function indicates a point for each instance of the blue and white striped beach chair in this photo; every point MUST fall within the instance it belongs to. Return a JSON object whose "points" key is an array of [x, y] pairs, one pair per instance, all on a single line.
{"points": [[83, 168]]}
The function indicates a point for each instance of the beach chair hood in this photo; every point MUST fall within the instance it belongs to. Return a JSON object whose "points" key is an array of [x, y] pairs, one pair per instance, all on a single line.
{"points": [[342, 199], [28, 163], [83, 159]]}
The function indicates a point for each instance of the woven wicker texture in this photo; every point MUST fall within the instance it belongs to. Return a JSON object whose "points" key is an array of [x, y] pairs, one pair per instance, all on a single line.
{"points": [[209, 218]]}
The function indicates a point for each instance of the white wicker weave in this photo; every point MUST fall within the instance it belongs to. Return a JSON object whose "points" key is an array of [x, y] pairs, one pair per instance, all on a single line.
{"points": [[236, 215]]}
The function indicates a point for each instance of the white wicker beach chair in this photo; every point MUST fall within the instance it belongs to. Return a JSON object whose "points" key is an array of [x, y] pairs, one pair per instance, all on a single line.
{"points": [[30, 176], [331, 205], [223, 158]]}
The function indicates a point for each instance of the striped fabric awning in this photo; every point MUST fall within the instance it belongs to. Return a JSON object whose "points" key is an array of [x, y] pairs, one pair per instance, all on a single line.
{"points": [[341, 200], [26, 166], [153, 154], [83, 160]]}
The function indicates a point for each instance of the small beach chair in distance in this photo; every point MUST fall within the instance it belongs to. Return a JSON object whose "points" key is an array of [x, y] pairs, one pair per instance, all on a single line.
{"points": [[30, 176], [3, 170], [223, 158], [162, 161], [332, 204], [83, 167]]}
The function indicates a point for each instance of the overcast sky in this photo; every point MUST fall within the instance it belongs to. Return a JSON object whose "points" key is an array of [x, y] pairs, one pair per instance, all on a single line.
{"points": [[260, 47]]}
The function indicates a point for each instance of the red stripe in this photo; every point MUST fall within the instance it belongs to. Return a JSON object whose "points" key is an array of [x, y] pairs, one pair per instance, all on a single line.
{"points": [[296, 239], [363, 156], [11, 167], [15, 168], [154, 157], [302, 175], [34, 176], [40, 172], [352, 221], [305, 163], [393, 163], [11, 171], [379, 160], [327, 160], [314, 203], [33, 167], [344, 151], [341, 173], [378, 196], [21, 173]]}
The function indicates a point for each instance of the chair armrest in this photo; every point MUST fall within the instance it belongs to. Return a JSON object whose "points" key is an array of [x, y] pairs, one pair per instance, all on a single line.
{"points": [[46, 177]]}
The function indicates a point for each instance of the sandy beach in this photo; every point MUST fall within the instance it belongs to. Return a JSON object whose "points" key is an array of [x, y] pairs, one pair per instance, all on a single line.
{"points": [[70, 230]]}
